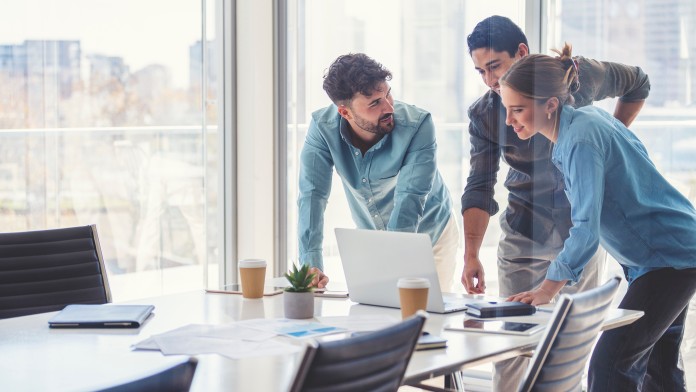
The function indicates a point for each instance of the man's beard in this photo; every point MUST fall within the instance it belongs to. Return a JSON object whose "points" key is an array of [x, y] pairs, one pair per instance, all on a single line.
{"points": [[377, 128]]}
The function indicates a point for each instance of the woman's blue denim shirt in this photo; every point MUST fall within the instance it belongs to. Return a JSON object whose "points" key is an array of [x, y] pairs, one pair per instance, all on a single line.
{"points": [[618, 198]]}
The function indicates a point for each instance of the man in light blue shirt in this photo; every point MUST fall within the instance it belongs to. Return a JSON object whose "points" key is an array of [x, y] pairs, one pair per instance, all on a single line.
{"points": [[384, 151]]}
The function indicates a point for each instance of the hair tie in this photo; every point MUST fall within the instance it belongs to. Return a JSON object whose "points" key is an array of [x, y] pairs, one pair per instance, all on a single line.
{"points": [[568, 79], [575, 65]]}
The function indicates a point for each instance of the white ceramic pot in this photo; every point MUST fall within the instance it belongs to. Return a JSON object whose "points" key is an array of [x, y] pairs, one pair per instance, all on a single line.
{"points": [[298, 305]]}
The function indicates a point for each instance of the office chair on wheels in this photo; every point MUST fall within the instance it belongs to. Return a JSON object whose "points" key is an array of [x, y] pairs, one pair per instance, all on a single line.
{"points": [[560, 357], [371, 362], [45, 270]]}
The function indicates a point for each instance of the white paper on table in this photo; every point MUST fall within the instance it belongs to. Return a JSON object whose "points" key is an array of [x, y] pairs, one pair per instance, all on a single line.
{"points": [[259, 349], [147, 344], [360, 323], [292, 328], [229, 331], [232, 348], [234, 331], [188, 345]]}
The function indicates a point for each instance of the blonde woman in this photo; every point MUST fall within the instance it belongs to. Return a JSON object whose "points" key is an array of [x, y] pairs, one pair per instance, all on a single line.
{"points": [[618, 199]]}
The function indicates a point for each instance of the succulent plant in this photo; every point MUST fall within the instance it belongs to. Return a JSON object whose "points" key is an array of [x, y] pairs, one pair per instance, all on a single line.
{"points": [[300, 279]]}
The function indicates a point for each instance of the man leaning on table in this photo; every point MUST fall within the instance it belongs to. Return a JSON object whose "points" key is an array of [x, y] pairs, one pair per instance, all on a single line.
{"points": [[384, 152]]}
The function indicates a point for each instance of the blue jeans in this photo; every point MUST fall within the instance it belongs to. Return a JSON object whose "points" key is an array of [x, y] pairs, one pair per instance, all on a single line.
{"points": [[644, 356]]}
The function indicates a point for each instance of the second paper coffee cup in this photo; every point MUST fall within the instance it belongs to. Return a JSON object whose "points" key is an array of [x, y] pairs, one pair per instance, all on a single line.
{"points": [[413, 295]]}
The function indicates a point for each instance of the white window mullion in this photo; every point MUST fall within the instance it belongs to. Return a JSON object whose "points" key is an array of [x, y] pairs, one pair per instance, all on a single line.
{"points": [[256, 131]]}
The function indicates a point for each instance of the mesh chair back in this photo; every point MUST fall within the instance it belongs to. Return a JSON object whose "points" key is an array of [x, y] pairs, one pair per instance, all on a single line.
{"points": [[372, 362], [559, 360], [177, 378], [43, 271]]}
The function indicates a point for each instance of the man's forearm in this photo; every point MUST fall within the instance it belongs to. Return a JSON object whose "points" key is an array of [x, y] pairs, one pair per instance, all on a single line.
{"points": [[626, 112], [475, 225]]}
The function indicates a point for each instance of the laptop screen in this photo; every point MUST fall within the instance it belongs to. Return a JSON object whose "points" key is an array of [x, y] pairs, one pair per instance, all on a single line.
{"points": [[374, 260]]}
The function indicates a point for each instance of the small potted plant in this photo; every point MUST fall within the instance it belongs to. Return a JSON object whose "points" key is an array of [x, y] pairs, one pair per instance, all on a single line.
{"points": [[298, 299]]}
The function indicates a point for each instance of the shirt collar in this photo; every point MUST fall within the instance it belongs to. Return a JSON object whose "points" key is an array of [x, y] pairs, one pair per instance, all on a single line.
{"points": [[567, 112], [344, 128], [347, 135]]}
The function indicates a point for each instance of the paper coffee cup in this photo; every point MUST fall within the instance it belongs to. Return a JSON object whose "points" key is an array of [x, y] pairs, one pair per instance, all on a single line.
{"points": [[413, 295], [252, 273]]}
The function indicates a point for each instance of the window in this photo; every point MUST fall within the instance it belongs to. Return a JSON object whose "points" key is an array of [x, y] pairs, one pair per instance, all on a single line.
{"points": [[108, 116], [423, 44]]}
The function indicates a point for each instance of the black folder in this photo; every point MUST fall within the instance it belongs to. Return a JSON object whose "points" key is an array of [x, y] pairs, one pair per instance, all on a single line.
{"points": [[101, 316], [499, 309]]}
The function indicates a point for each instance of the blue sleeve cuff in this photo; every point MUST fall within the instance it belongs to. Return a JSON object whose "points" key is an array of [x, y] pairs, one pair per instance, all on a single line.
{"points": [[559, 271], [313, 259]]}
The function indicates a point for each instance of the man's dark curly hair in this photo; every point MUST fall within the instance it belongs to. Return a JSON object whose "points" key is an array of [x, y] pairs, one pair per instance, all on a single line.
{"points": [[498, 33], [351, 74]]}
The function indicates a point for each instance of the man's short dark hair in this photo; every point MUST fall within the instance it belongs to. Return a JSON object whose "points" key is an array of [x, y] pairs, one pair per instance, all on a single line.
{"points": [[353, 73], [498, 33]]}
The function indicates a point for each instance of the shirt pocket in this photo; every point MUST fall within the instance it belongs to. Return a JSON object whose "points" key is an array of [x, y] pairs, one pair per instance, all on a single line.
{"points": [[383, 183], [384, 173]]}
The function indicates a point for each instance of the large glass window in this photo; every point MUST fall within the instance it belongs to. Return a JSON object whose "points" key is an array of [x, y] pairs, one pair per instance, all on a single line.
{"points": [[423, 44], [107, 116]]}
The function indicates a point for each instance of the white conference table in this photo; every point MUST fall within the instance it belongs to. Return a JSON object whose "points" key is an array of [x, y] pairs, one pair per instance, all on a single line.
{"points": [[36, 358]]}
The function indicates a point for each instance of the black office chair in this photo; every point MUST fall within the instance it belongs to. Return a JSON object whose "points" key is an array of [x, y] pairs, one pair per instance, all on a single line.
{"points": [[560, 357], [371, 362], [177, 378], [43, 271]]}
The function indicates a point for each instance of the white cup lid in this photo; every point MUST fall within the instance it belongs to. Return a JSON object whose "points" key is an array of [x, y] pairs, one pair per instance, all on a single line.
{"points": [[252, 263], [413, 283]]}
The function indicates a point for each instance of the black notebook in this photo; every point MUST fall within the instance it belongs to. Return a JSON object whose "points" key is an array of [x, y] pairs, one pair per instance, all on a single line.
{"points": [[101, 316], [499, 309]]}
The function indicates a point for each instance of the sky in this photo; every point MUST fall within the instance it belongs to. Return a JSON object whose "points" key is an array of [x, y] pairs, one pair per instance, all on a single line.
{"points": [[143, 32]]}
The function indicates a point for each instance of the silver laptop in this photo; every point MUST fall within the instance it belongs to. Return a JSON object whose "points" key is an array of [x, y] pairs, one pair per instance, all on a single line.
{"points": [[373, 261]]}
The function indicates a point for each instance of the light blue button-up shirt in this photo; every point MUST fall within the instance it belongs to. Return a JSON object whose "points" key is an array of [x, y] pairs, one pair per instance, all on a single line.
{"points": [[618, 198], [395, 186]]}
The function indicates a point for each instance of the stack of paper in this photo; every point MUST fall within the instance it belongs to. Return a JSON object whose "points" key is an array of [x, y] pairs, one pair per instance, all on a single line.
{"points": [[249, 338]]}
